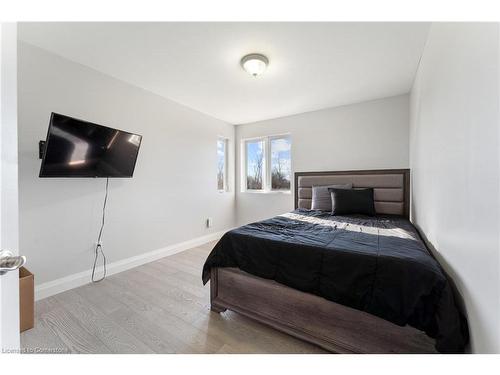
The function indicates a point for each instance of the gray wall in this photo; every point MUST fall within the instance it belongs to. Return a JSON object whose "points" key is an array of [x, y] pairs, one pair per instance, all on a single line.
{"points": [[174, 187], [454, 157], [367, 135]]}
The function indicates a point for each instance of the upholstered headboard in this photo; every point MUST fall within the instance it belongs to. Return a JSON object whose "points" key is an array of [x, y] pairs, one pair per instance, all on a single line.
{"points": [[391, 187]]}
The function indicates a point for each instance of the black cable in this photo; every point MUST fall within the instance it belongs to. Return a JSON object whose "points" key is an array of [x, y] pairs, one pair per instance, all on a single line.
{"points": [[98, 245]]}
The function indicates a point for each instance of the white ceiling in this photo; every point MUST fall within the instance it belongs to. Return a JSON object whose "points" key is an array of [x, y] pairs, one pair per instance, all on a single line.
{"points": [[312, 65]]}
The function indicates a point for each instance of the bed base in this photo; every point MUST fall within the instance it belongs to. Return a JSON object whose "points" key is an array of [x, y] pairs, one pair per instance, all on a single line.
{"points": [[334, 327]]}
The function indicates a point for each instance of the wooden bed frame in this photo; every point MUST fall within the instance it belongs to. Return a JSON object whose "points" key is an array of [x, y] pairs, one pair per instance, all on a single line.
{"points": [[332, 326]]}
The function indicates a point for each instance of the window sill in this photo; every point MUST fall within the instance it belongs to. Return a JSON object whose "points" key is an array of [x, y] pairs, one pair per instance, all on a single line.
{"points": [[286, 192]]}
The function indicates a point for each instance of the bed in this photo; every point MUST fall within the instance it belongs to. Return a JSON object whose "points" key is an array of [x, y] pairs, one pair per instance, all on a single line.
{"points": [[350, 284]]}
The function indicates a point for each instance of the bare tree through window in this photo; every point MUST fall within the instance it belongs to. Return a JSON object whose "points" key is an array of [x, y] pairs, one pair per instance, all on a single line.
{"points": [[255, 164], [221, 164], [280, 163]]}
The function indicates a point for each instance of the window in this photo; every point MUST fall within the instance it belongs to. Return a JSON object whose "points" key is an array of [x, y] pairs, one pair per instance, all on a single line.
{"points": [[222, 164], [267, 164], [280, 163], [255, 164]]}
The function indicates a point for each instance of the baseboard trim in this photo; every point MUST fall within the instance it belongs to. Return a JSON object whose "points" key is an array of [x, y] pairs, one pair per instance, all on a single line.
{"points": [[63, 284]]}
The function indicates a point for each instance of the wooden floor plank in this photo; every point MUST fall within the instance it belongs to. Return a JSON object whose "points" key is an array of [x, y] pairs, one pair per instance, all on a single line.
{"points": [[117, 339], [159, 307], [106, 303], [176, 301], [72, 333], [154, 309], [42, 340]]}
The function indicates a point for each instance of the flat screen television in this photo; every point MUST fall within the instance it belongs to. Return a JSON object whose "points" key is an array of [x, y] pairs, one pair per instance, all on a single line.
{"points": [[77, 148]]}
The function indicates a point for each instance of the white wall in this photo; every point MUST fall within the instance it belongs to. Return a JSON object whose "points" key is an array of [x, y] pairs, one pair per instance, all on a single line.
{"points": [[167, 201], [368, 135], [454, 157]]}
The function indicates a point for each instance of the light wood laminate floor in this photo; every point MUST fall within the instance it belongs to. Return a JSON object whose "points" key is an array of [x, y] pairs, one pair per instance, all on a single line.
{"points": [[160, 307]]}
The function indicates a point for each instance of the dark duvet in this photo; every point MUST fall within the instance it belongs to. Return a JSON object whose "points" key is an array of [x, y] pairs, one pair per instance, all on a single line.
{"points": [[375, 264]]}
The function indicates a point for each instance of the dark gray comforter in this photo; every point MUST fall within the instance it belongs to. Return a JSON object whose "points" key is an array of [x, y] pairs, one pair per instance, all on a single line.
{"points": [[374, 264]]}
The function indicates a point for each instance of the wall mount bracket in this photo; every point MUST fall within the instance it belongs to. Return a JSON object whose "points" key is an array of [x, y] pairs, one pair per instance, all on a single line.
{"points": [[41, 149]]}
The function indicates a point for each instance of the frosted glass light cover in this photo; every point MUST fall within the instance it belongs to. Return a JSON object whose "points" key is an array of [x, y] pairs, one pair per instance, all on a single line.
{"points": [[254, 64]]}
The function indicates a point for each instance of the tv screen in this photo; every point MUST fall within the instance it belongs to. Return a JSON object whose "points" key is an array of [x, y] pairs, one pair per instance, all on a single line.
{"points": [[76, 148]]}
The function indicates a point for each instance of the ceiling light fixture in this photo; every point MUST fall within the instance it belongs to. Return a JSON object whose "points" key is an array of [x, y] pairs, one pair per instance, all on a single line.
{"points": [[254, 64]]}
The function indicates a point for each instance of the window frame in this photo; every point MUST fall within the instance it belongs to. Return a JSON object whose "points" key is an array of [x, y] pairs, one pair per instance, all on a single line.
{"points": [[266, 167], [225, 188]]}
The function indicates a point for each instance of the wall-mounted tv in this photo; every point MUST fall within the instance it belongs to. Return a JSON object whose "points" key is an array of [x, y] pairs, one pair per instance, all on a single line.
{"points": [[77, 148]]}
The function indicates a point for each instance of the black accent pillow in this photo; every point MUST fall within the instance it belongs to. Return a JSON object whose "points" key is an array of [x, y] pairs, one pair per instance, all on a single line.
{"points": [[352, 201]]}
